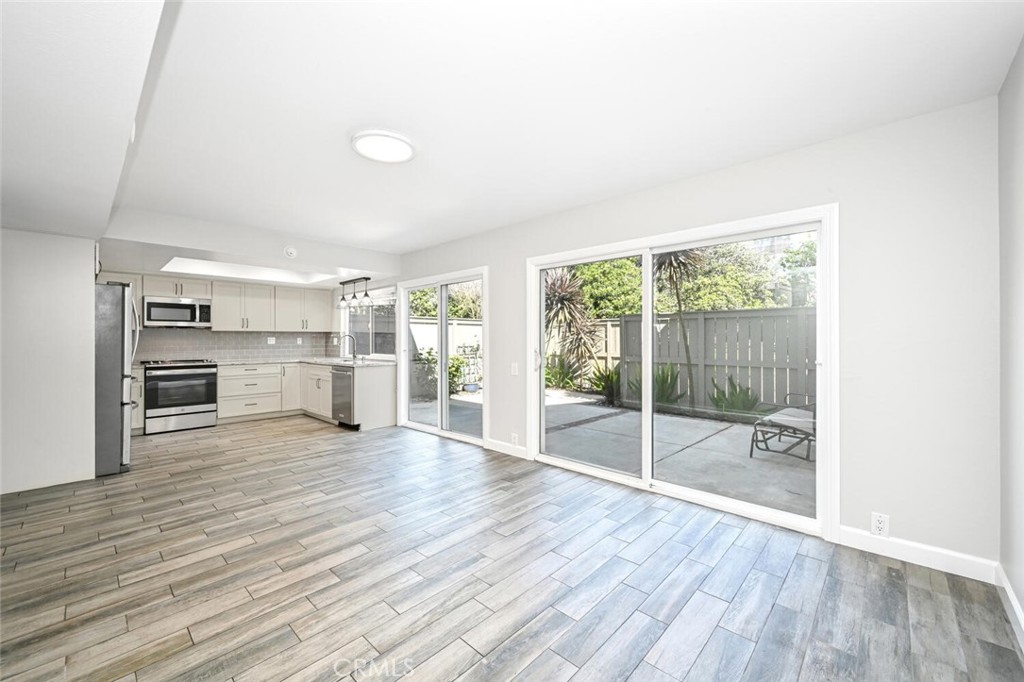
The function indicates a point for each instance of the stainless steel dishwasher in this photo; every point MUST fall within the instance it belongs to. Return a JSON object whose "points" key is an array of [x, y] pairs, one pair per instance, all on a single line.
{"points": [[342, 395]]}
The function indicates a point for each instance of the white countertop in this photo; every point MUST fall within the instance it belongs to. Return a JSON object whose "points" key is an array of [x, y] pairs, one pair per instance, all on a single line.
{"points": [[332, 362], [313, 361]]}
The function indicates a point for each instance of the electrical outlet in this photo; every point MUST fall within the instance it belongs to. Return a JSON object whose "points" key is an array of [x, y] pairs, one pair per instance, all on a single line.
{"points": [[515, 439], [880, 524], [298, 340], [514, 369], [334, 340], [271, 340]]}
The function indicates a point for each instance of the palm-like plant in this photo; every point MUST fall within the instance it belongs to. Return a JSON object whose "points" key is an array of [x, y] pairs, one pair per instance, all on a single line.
{"points": [[567, 318], [674, 269]]}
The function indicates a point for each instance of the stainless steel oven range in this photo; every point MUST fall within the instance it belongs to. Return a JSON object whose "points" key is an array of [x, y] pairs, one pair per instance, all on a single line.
{"points": [[180, 394]]}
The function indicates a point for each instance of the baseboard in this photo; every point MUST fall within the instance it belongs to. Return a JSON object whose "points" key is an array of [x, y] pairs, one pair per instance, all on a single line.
{"points": [[1013, 606], [506, 448], [938, 558]]}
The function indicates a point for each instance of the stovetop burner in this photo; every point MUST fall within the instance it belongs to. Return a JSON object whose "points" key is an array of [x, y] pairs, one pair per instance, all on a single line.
{"points": [[178, 362]]}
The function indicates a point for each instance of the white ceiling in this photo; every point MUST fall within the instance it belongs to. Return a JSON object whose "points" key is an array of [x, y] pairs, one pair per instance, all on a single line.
{"points": [[521, 109], [517, 109], [72, 76]]}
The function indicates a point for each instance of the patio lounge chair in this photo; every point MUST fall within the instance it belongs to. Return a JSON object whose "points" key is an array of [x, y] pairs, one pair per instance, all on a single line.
{"points": [[797, 421]]}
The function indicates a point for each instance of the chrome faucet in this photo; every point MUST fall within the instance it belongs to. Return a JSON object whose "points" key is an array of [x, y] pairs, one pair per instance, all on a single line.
{"points": [[341, 345]]}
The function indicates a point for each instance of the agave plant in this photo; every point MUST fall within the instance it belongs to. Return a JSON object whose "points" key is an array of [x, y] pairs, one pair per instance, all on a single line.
{"points": [[736, 399], [608, 382], [561, 374], [567, 319], [666, 385]]}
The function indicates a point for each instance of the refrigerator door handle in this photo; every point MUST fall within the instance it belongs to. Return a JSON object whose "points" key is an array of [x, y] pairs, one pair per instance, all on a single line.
{"points": [[138, 328]]}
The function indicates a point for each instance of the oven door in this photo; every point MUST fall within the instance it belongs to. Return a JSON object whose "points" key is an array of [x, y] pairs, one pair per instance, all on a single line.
{"points": [[175, 312], [178, 391]]}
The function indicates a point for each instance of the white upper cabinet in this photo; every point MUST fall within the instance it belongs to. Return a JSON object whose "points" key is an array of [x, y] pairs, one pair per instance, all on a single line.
{"points": [[318, 310], [303, 310], [157, 285], [288, 309], [242, 307]]}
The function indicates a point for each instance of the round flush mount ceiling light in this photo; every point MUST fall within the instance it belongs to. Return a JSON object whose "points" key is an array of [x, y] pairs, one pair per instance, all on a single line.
{"points": [[383, 146]]}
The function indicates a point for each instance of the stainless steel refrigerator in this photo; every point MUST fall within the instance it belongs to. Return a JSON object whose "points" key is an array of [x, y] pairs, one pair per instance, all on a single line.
{"points": [[115, 349]]}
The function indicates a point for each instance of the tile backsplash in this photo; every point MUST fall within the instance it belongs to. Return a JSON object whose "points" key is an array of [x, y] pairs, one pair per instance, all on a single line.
{"points": [[199, 344]]}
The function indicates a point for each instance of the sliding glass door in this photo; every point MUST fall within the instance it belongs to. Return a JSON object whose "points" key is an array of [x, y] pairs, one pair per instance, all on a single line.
{"points": [[715, 343], [446, 357], [733, 395], [424, 349], [590, 407]]}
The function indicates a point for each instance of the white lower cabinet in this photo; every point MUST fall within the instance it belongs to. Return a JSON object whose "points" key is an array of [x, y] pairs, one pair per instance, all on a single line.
{"points": [[241, 406], [243, 390], [316, 390], [291, 388]]}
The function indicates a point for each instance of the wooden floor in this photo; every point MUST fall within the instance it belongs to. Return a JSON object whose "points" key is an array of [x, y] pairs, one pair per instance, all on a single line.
{"points": [[290, 549]]}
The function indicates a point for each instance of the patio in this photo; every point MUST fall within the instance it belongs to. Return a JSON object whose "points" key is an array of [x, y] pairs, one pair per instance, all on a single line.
{"points": [[465, 413], [704, 454]]}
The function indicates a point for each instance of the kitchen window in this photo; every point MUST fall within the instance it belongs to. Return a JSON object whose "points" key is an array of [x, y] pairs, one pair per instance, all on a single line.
{"points": [[373, 326]]}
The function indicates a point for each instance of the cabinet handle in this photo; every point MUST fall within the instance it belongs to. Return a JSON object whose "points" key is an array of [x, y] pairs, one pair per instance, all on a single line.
{"points": [[249, 369], [251, 404], [318, 384], [282, 370], [252, 384]]}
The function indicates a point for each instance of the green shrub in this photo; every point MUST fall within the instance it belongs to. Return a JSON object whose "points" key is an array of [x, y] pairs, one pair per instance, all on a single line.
{"points": [[736, 399], [425, 370], [608, 382], [456, 366], [561, 374], [666, 384]]}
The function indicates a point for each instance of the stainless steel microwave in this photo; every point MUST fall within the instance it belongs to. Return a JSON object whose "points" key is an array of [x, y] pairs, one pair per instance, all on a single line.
{"points": [[163, 311]]}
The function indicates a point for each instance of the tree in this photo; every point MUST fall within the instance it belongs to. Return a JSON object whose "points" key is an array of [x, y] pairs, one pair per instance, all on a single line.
{"points": [[799, 263], [567, 319], [423, 303], [674, 270], [464, 301], [727, 277], [612, 288]]}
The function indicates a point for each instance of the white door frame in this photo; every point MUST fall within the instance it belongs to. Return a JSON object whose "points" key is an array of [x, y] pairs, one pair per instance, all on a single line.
{"points": [[827, 483], [402, 348]]}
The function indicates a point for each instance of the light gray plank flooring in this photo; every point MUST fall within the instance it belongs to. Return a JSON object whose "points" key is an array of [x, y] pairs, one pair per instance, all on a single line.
{"points": [[289, 549]]}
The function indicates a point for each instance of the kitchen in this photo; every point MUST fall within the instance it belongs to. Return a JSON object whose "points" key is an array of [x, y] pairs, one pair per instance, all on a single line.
{"points": [[175, 353]]}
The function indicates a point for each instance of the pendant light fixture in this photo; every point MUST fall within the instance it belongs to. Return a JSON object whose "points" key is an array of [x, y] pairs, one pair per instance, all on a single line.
{"points": [[366, 301], [355, 301]]}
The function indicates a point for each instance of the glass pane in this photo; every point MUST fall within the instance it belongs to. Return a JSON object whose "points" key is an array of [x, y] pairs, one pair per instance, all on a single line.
{"points": [[465, 358], [359, 328], [423, 347], [384, 329], [734, 370], [592, 358]]}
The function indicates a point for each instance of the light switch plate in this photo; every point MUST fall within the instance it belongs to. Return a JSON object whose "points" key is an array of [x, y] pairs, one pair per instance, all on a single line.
{"points": [[271, 340]]}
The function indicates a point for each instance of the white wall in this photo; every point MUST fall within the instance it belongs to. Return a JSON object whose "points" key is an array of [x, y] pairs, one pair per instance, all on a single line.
{"points": [[48, 360], [1011, 209], [919, 305]]}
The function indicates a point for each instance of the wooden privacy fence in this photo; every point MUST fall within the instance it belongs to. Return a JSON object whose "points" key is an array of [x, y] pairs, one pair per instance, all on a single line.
{"points": [[771, 350]]}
